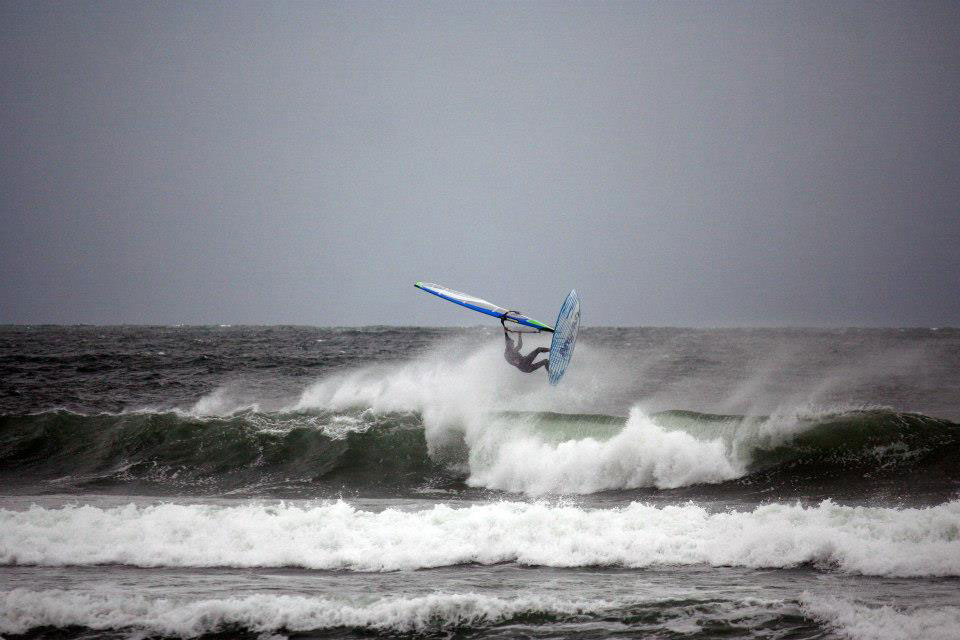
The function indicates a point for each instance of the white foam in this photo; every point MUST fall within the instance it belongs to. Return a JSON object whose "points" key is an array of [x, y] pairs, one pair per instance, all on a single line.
{"points": [[862, 622], [641, 455], [864, 540], [22, 610]]}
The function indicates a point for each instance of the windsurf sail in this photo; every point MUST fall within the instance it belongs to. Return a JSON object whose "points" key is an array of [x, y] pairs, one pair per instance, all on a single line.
{"points": [[481, 305], [564, 337]]}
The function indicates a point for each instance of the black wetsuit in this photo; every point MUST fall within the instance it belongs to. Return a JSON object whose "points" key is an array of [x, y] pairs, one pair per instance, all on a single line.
{"points": [[524, 363]]}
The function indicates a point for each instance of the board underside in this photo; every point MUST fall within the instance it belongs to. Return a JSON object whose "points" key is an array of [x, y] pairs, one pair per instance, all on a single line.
{"points": [[564, 337]]}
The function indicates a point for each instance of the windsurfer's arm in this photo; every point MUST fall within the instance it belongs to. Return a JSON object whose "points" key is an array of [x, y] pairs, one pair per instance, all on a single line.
{"points": [[506, 335]]}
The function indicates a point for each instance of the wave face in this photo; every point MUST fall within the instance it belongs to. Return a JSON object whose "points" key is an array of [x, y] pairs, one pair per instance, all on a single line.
{"points": [[338, 536], [537, 453], [256, 452]]}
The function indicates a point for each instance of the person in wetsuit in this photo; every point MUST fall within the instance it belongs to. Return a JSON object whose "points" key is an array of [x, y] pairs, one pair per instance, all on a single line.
{"points": [[523, 362]]}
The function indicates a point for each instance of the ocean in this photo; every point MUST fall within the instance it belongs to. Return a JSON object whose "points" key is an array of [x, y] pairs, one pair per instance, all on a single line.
{"points": [[302, 482]]}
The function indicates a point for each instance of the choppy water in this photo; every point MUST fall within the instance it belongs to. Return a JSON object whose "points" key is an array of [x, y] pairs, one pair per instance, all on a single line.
{"points": [[221, 481]]}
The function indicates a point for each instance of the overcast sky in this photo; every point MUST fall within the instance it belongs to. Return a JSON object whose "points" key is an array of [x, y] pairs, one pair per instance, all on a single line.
{"points": [[699, 164]]}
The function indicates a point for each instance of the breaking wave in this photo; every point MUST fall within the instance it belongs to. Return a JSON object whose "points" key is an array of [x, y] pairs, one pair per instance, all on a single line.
{"points": [[23, 610], [338, 536], [458, 421], [360, 450], [75, 614]]}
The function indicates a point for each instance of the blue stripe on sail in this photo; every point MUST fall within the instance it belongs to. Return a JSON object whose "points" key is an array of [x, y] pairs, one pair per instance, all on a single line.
{"points": [[518, 320]]}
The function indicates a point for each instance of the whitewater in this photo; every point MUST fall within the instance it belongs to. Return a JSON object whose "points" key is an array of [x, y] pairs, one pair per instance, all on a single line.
{"points": [[338, 536], [193, 481]]}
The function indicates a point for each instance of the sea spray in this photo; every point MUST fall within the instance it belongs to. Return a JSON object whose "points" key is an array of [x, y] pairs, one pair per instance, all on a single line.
{"points": [[459, 401]]}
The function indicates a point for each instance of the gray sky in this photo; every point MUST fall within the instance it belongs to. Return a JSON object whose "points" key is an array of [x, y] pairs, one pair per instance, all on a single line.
{"points": [[678, 163]]}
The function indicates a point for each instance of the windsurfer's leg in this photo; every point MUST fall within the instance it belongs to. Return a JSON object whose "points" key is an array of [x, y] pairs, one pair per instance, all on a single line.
{"points": [[528, 359], [537, 365], [527, 362]]}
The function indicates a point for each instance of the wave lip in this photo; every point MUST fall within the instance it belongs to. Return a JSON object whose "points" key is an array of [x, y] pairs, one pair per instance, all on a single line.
{"points": [[858, 540]]}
